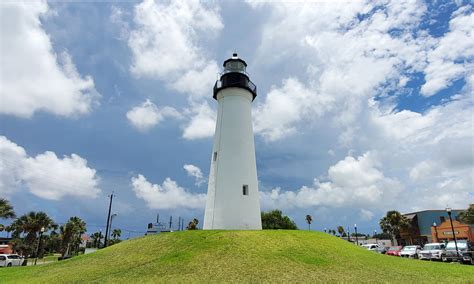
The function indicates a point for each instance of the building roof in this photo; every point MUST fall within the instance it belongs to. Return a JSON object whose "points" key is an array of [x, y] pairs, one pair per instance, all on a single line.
{"points": [[410, 216], [431, 210], [426, 218]]}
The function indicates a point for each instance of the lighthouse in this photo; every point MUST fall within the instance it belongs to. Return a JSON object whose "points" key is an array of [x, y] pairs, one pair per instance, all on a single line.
{"points": [[232, 194]]}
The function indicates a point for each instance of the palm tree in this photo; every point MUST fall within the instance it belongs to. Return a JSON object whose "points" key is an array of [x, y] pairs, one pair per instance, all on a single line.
{"points": [[393, 223], [71, 234], [6, 211], [309, 219], [193, 224], [31, 225], [96, 237], [116, 233], [340, 230]]}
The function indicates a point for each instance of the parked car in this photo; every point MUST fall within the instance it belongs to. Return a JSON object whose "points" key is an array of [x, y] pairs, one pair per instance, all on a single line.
{"points": [[450, 253], [375, 247], [7, 260], [370, 246], [468, 256], [410, 251], [382, 250], [394, 250], [432, 251]]}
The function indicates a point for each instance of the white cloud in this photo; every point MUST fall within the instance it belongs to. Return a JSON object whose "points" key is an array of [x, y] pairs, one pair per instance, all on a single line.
{"points": [[166, 43], [147, 115], [451, 58], [197, 82], [347, 60], [33, 77], [423, 170], [434, 148], [168, 195], [351, 182], [202, 123], [117, 17], [11, 158], [45, 175], [195, 172], [50, 177], [366, 215], [275, 118], [363, 64]]}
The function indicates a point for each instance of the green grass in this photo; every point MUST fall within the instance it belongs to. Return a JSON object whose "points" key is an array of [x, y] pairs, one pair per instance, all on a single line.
{"points": [[238, 256], [48, 258]]}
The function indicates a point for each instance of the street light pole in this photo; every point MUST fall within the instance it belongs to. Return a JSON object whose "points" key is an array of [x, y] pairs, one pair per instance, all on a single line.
{"points": [[452, 229], [108, 220], [375, 236], [436, 231], [357, 238], [39, 242]]}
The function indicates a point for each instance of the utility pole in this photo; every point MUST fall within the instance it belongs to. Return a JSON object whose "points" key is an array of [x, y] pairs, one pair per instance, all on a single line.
{"points": [[454, 234], [108, 220], [357, 237], [171, 221]]}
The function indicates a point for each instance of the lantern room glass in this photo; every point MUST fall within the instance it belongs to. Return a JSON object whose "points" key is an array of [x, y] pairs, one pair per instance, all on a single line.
{"points": [[235, 66]]}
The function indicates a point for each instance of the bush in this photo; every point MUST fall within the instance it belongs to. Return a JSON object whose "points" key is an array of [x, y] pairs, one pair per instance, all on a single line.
{"points": [[274, 220]]}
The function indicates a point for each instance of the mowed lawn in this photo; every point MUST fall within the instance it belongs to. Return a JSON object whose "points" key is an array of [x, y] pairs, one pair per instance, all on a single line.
{"points": [[239, 256]]}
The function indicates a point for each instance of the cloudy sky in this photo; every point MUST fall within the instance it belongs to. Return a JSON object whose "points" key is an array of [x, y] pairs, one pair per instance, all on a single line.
{"points": [[362, 106]]}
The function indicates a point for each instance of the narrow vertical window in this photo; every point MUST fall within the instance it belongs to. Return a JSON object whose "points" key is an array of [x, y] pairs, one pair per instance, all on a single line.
{"points": [[215, 156], [245, 189]]}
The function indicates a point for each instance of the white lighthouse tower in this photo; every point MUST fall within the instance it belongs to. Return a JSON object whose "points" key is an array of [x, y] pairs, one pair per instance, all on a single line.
{"points": [[232, 194]]}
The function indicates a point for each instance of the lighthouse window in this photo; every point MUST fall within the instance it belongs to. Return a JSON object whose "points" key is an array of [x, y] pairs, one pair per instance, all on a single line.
{"points": [[215, 156], [245, 189]]}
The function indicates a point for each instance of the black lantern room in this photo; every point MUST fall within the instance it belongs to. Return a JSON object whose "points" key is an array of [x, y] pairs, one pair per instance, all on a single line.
{"points": [[235, 76]]}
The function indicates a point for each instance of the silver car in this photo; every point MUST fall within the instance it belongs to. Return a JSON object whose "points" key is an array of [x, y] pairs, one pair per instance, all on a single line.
{"points": [[7, 260], [432, 251], [410, 251]]}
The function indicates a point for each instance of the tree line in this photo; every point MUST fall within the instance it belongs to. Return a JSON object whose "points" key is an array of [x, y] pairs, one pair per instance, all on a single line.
{"points": [[35, 233]]}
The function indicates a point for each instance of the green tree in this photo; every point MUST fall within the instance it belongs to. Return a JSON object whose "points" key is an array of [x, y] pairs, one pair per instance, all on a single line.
{"points": [[467, 216], [393, 223], [382, 236], [25, 231], [193, 224], [6, 211], [71, 234], [309, 220], [116, 233], [52, 243], [341, 231], [274, 220], [96, 237]]}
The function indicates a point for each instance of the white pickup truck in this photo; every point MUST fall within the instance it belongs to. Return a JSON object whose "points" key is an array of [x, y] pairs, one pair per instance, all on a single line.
{"points": [[7, 260]]}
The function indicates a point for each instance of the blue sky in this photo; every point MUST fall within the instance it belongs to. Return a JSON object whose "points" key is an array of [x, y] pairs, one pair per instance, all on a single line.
{"points": [[362, 106]]}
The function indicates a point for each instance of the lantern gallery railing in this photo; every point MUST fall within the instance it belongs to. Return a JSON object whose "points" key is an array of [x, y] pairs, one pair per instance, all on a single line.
{"points": [[235, 79]]}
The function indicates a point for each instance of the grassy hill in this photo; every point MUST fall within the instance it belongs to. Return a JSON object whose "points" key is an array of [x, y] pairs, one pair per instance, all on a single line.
{"points": [[241, 256]]}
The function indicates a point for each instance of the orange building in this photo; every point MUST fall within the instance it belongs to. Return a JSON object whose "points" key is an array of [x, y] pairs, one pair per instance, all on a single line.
{"points": [[444, 232], [5, 246]]}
